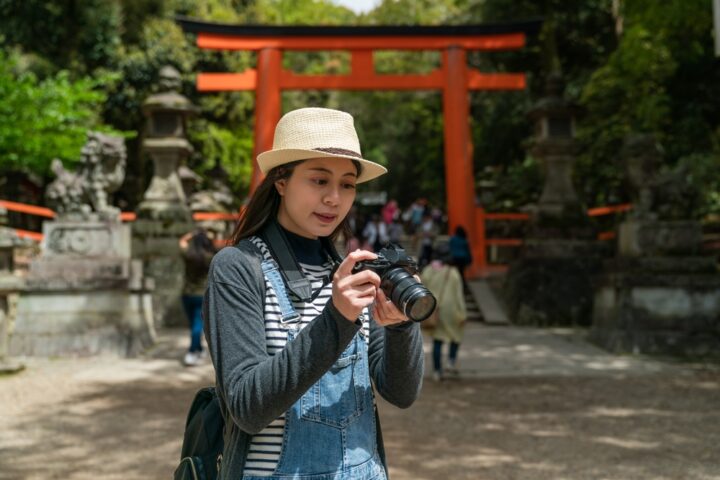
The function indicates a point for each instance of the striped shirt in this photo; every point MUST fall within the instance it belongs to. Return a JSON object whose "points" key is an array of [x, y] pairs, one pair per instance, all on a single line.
{"points": [[265, 446]]}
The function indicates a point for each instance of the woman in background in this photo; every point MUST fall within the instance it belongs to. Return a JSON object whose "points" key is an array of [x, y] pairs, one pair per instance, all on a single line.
{"points": [[444, 281], [460, 253], [197, 251]]}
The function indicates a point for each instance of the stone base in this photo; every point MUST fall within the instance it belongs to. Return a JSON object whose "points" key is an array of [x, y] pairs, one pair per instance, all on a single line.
{"points": [[675, 314], [77, 323], [156, 244], [638, 237], [551, 291], [10, 367]]}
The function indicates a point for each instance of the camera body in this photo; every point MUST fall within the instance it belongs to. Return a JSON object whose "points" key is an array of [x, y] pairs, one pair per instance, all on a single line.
{"points": [[389, 257], [397, 271]]}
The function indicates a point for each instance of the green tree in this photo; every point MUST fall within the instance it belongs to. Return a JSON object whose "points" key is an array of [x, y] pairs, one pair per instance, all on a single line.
{"points": [[45, 119], [75, 36], [662, 79]]}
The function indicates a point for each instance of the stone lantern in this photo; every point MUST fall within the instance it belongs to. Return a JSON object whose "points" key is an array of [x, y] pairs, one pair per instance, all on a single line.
{"points": [[550, 284], [163, 216], [166, 143], [554, 146]]}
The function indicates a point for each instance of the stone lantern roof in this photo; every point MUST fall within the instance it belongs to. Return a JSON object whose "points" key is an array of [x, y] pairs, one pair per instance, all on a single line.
{"points": [[168, 109], [553, 103], [553, 114]]}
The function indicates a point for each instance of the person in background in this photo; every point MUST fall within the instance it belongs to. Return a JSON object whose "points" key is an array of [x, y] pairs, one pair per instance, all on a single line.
{"points": [[197, 251], [376, 233], [443, 280], [395, 232], [390, 212], [427, 233], [460, 252]]}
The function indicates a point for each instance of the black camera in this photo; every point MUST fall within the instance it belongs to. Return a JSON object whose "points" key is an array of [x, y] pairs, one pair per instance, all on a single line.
{"points": [[396, 269]]}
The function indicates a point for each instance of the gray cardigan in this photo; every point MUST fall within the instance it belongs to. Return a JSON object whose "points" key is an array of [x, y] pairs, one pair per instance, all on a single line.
{"points": [[256, 388]]}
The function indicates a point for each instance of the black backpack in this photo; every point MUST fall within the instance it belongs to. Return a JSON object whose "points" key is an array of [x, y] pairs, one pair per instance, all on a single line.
{"points": [[203, 441]]}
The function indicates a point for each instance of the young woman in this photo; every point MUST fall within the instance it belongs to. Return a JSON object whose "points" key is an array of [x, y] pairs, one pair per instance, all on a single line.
{"points": [[295, 375]]}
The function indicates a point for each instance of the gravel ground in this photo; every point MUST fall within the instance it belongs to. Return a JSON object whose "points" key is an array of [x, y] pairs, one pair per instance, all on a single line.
{"points": [[105, 418]]}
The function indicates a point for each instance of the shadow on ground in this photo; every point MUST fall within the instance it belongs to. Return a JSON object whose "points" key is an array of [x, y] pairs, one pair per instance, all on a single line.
{"points": [[123, 419], [626, 427], [98, 418]]}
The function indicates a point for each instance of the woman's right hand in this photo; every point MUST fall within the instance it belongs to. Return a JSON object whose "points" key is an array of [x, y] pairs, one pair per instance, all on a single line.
{"points": [[351, 292]]}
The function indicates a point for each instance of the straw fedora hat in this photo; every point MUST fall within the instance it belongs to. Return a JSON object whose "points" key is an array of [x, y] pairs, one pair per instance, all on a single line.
{"points": [[317, 133]]}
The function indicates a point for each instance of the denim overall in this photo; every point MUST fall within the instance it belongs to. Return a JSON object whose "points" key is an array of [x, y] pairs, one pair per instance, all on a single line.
{"points": [[329, 429]]}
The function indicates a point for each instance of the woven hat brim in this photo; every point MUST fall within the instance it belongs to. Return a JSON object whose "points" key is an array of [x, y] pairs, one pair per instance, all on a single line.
{"points": [[273, 158]]}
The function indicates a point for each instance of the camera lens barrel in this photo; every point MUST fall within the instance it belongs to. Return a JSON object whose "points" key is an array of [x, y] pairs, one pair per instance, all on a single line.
{"points": [[409, 296]]}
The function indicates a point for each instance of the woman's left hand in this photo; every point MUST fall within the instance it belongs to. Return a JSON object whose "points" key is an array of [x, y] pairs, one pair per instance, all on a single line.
{"points": [[385, 312]]}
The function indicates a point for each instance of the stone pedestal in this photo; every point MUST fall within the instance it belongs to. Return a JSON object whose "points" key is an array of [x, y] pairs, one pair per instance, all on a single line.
{"points": [[551, 283], [641, 237], [10, 287], [162, 218], [155, 243], [659, 296], [84, 295]]}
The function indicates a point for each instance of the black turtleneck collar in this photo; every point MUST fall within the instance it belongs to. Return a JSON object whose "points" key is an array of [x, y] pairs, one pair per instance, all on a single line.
{"points": [[307, 250]]}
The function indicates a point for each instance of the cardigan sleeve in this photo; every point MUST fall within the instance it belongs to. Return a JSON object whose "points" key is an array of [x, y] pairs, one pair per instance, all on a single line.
{"points": [[397, 361], [255, 387]]}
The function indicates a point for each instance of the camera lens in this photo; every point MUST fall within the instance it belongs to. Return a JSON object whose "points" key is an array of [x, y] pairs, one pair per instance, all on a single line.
{"points": [[421, 306], [409, 296]]}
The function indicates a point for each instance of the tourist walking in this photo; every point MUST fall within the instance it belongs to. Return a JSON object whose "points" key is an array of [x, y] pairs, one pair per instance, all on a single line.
{"points": [[427, 232], [460, 253], [375, 233], [197, 251], [443, 280], [296, 337]]}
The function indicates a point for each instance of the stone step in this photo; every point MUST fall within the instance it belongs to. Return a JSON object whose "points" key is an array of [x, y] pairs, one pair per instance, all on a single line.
{"points": [[489, 305], [473, 311]]}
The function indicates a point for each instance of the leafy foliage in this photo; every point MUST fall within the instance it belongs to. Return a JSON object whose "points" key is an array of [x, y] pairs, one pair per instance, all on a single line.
{"points": [[661, 79], [45, 119]]}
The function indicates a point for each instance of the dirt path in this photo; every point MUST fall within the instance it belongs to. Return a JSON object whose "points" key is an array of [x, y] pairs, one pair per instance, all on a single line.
{"points": [[123, 419]]}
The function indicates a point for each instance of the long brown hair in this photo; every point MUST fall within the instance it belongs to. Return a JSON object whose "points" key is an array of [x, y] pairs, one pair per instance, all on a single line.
{"points": [[265, 202]]}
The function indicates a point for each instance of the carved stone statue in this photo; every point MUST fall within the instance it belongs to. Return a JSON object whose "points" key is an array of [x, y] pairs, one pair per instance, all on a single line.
{"points": [[84, 194]]}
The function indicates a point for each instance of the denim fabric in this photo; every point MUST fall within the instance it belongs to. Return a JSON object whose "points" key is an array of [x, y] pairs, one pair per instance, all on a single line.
{"points": [[330, 432], [272, 273], [193, 309], [437, 354], [453, 352]]}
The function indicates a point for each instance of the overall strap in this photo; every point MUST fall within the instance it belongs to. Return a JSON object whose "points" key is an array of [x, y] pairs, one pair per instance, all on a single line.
{"points": [[272, 273]]}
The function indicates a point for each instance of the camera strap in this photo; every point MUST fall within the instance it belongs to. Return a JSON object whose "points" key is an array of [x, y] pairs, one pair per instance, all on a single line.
{"points": [[289, 266], [281, 251]]}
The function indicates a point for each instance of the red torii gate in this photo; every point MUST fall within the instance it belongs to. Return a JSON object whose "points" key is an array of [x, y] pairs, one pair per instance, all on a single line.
{"points": [[454, 79]]}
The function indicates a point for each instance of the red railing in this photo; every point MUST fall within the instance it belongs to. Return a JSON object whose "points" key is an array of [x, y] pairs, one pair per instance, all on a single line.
{"points": [[482, 266], [124, 216]]}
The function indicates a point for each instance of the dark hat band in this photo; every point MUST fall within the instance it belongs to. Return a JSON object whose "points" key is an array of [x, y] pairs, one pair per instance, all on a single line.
{"points": [[339, 151]]}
